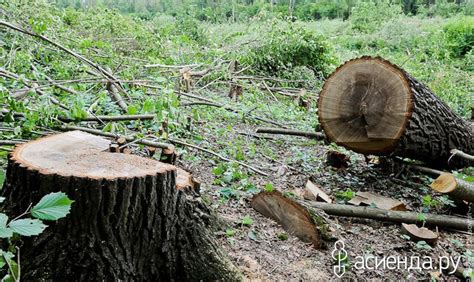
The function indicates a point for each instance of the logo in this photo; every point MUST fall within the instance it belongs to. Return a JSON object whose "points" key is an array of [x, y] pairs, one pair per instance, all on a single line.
{"points": [[340, 255]]}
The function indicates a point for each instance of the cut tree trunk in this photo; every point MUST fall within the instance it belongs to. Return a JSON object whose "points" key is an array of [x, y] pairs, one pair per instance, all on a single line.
{"points": [[374, 107], [129, 221]]}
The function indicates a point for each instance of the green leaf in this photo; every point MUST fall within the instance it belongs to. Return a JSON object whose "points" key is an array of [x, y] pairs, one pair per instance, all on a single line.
{"points": [[27, 226], [269, 187], [132, 110], [247, 220], [5, 232], [2, 177], [52, 207]]}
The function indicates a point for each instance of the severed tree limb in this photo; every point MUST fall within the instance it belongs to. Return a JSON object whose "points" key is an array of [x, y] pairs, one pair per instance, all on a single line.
{"points": [[64, 88], [101, 70], [10, 142], [179, 142], [171, 66], [447, 183], [315, 135], [116, 96], [111, 118], [32, 85], [227, 108], [442, 221], [112, 135]]}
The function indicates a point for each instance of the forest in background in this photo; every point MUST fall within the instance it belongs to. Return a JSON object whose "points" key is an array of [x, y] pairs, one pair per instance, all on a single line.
{"points": [[241, 10]]}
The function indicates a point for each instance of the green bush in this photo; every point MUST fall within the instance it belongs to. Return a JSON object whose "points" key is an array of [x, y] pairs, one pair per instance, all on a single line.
{"points": [[367, 16], [286, 46], [460, 36]]}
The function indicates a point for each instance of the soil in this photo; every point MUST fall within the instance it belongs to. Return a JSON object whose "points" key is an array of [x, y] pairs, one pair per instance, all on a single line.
{"points": [[261, 252]]}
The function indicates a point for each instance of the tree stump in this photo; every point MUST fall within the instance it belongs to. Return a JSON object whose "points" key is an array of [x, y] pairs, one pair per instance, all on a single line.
{"points": [[129, 221], [371, 106]]}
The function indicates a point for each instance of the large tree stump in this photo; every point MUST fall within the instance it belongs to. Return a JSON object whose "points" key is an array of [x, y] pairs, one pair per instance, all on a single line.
{"points": [[374, 107], [128, 220]]}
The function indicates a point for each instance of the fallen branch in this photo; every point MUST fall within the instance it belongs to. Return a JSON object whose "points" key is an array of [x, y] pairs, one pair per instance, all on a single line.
{"points": [[227, 108], [112, 135], [111, 118], [182, 143], [64, 88], [442, 221], [461, 154], [447, 183], [32, 86], [316, 135], [101, 70], [171, 66], [10, 142], [116, 96]]}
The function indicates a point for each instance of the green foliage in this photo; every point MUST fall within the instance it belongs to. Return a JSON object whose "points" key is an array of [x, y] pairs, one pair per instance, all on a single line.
{"points": [[247, 220], [345, 196], [460, 36], [422, 245], [282, 236], [286, 46], [367, 16], [52, 206]]}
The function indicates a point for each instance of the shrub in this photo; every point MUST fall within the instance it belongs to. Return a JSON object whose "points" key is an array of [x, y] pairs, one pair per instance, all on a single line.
{"points": [[367, 16], [286, 46], [460, 36]]}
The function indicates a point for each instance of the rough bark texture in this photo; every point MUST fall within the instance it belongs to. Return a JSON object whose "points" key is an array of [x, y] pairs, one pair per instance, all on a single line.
{"points": [[433, 130], [428, 131], [133, 229]]}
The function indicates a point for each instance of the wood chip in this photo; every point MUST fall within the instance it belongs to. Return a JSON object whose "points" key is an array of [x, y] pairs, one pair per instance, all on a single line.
{"points": [[313, 192], [381, 202], [420, 233]]}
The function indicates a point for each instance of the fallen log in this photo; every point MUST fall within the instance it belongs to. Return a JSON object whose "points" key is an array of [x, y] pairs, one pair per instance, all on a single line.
{"points": [[315, 135], [447, 183], [372, 106], [129, 221], [441, 221]]}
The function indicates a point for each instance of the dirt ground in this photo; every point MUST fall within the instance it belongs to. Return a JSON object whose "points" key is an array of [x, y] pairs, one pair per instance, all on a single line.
{"points": [[262, 253]]}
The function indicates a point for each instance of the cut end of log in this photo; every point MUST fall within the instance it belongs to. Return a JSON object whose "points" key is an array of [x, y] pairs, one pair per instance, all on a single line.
{"points": [[420, 233], [294, 218], [80, 154], [365, 105], [445, 183]]}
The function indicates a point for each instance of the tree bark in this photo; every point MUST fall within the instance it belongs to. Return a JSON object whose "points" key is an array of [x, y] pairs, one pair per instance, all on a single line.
{"points": [[374, 107], [128, 220]]}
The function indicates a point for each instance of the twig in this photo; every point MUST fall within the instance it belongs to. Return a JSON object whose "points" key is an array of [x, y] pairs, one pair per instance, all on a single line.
{"points": [[171, 66], [461, 154], [179, 142], [111, 118], [72, 91], [111, 135], [316, 135]]}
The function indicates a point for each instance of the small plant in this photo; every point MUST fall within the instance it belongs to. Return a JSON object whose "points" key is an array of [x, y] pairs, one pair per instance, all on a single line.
{"points": [[51, 207], [345, 196], [282, 236], [230, 232], [429, 203], [422, 245], [247, 220], [269, 187]]}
